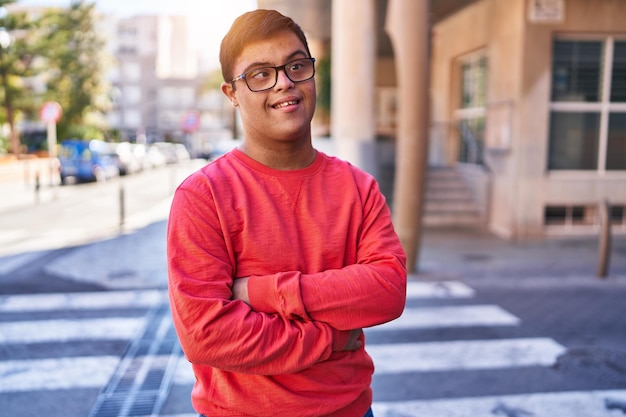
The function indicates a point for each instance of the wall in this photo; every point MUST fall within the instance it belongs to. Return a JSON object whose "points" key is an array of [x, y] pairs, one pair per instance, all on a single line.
{"points": [[519, 54], [497, 27], [505, 140], [537, 186]]}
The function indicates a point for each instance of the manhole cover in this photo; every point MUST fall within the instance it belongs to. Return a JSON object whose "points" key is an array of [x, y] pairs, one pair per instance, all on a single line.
{"points": [[122, 274], [476, 257]]}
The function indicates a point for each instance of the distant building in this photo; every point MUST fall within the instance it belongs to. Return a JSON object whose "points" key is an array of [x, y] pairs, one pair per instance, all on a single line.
{"points": [[154, 78], [152, 73]]}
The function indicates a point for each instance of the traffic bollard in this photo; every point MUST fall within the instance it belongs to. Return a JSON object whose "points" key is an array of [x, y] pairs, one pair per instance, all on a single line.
{"points": [[604, 258], [122, 206]]}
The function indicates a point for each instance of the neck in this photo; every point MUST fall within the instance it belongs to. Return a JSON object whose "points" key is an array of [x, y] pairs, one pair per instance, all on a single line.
{"points": [[281, 156]]}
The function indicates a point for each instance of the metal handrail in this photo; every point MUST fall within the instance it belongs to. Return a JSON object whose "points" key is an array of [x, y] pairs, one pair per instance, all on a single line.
{"points": [[473, 148]]}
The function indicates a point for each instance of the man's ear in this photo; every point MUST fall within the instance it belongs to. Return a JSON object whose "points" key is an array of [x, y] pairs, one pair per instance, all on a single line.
{"points": [[229, 91]]}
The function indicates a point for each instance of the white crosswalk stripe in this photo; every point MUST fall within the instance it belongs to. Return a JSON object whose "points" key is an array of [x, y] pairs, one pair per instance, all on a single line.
{"points": [[457, 316], [18, 375], [67, 330], [464, 355], [58, 373], [80, 301], [468, 355], [442, 289], [68, 372], [570, 404]]}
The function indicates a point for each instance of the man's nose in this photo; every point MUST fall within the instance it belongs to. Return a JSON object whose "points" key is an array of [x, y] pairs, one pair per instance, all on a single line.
{"points": [[283, 80]]}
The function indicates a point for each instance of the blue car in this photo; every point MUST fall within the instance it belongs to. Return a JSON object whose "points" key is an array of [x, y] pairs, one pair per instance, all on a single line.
{"points": [[87, 160]]}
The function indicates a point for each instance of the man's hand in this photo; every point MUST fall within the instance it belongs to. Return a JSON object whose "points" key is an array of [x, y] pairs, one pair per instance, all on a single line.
{"points": [[240, 290], [354, 342]]}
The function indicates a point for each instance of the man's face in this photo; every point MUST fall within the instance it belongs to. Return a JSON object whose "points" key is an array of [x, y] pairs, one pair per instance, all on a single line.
{"points": [[282, 113]]}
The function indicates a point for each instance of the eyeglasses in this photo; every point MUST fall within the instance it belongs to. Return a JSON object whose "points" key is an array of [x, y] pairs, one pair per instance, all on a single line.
{"points": [[265, 78]]}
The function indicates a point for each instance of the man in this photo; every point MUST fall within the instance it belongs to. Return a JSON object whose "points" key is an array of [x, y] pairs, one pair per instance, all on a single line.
{"points": [[278, 255]]}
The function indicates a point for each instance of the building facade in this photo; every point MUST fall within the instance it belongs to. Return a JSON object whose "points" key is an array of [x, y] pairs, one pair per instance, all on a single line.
{"points": [[528, 97], [526, 102]]}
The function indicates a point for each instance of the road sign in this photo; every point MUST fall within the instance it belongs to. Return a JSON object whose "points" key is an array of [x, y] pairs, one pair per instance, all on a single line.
{"points": [[190, 121], [50, 112]]}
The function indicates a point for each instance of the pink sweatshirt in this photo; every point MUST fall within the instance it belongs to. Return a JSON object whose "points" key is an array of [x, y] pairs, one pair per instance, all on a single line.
{"points": [[323, 259]]}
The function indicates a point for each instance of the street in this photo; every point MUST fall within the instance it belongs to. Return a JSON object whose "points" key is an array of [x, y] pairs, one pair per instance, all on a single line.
{"points": [[61, 216], [85, 327]]}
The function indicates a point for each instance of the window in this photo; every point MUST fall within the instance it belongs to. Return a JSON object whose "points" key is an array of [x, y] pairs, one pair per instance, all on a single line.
{"points": [[474, 82], [618, 215], [131, 94], [574, 140], [588, 107], [132, 119], [472, 107], [587, 215], [131, 71], [182, 97]]}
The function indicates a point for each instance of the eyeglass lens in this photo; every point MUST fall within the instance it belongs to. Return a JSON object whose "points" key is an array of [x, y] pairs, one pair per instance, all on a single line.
{"points": [[265, 78]]}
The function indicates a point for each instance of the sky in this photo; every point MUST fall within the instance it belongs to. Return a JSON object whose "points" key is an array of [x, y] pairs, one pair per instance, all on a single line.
{"points": [[209, 20]]}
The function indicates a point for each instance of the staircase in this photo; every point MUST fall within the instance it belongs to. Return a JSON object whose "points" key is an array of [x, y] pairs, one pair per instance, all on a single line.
{"points": [[449, 201]]}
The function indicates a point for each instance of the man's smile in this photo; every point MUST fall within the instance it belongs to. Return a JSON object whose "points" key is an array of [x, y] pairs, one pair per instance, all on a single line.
{"points": [[286, 103]]}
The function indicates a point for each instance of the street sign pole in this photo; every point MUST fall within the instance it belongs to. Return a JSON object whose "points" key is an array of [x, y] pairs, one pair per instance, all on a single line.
{"points": [[52, 139], [52, 150], [50, 113], [190, 123]]}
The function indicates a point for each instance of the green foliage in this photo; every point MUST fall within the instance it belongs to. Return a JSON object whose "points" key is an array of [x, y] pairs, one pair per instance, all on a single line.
{"points": [[75, 74], [213, 81], [4, 145], [83, 132], [323, 71], [60, 48], [18, 54]]}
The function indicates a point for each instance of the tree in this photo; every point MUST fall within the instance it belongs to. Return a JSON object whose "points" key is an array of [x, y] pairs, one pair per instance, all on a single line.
{"points": [[212, 81], [324, 88], [75, 78], [18, 53]]}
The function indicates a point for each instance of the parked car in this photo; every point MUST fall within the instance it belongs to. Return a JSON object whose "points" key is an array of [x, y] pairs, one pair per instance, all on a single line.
{"points": [[168, 150], [182, 154], [86, 160], [127, 157], [173, 152], [154, 157]]}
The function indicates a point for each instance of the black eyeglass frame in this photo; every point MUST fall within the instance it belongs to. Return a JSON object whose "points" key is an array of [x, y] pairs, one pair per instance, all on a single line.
{"points": [[276, 69]]}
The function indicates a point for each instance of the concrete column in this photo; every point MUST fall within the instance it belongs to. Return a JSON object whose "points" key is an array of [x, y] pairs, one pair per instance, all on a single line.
{"points": [[353, 121], [408, 27]]}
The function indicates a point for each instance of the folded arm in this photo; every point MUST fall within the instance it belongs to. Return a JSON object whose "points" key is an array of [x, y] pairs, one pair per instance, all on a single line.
{"points": [[214, 329], [368, 292]]}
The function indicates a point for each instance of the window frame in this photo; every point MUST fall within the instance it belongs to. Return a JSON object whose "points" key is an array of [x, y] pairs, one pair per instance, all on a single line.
{"points": [[471, 113], [604, 107]]}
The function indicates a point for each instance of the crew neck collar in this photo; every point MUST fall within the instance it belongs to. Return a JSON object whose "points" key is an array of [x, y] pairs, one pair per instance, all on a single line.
{"points": [[257, 166]]}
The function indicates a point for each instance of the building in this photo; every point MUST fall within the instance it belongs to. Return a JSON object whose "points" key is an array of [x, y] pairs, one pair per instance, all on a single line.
{"points": [[154, 77], [538, 89], [527, 104]]}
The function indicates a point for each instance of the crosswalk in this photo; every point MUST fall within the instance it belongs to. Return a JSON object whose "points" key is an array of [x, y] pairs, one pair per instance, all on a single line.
{"points": [[119, 349]]}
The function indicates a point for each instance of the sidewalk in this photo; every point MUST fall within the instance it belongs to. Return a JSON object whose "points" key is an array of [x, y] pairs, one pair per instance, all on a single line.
{"points": [[18, 180], [475, 254]]}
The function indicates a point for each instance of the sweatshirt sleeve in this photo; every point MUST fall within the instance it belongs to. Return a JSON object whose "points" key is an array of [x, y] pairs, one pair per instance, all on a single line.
{"points": [[215, 330], [369, 292]]}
